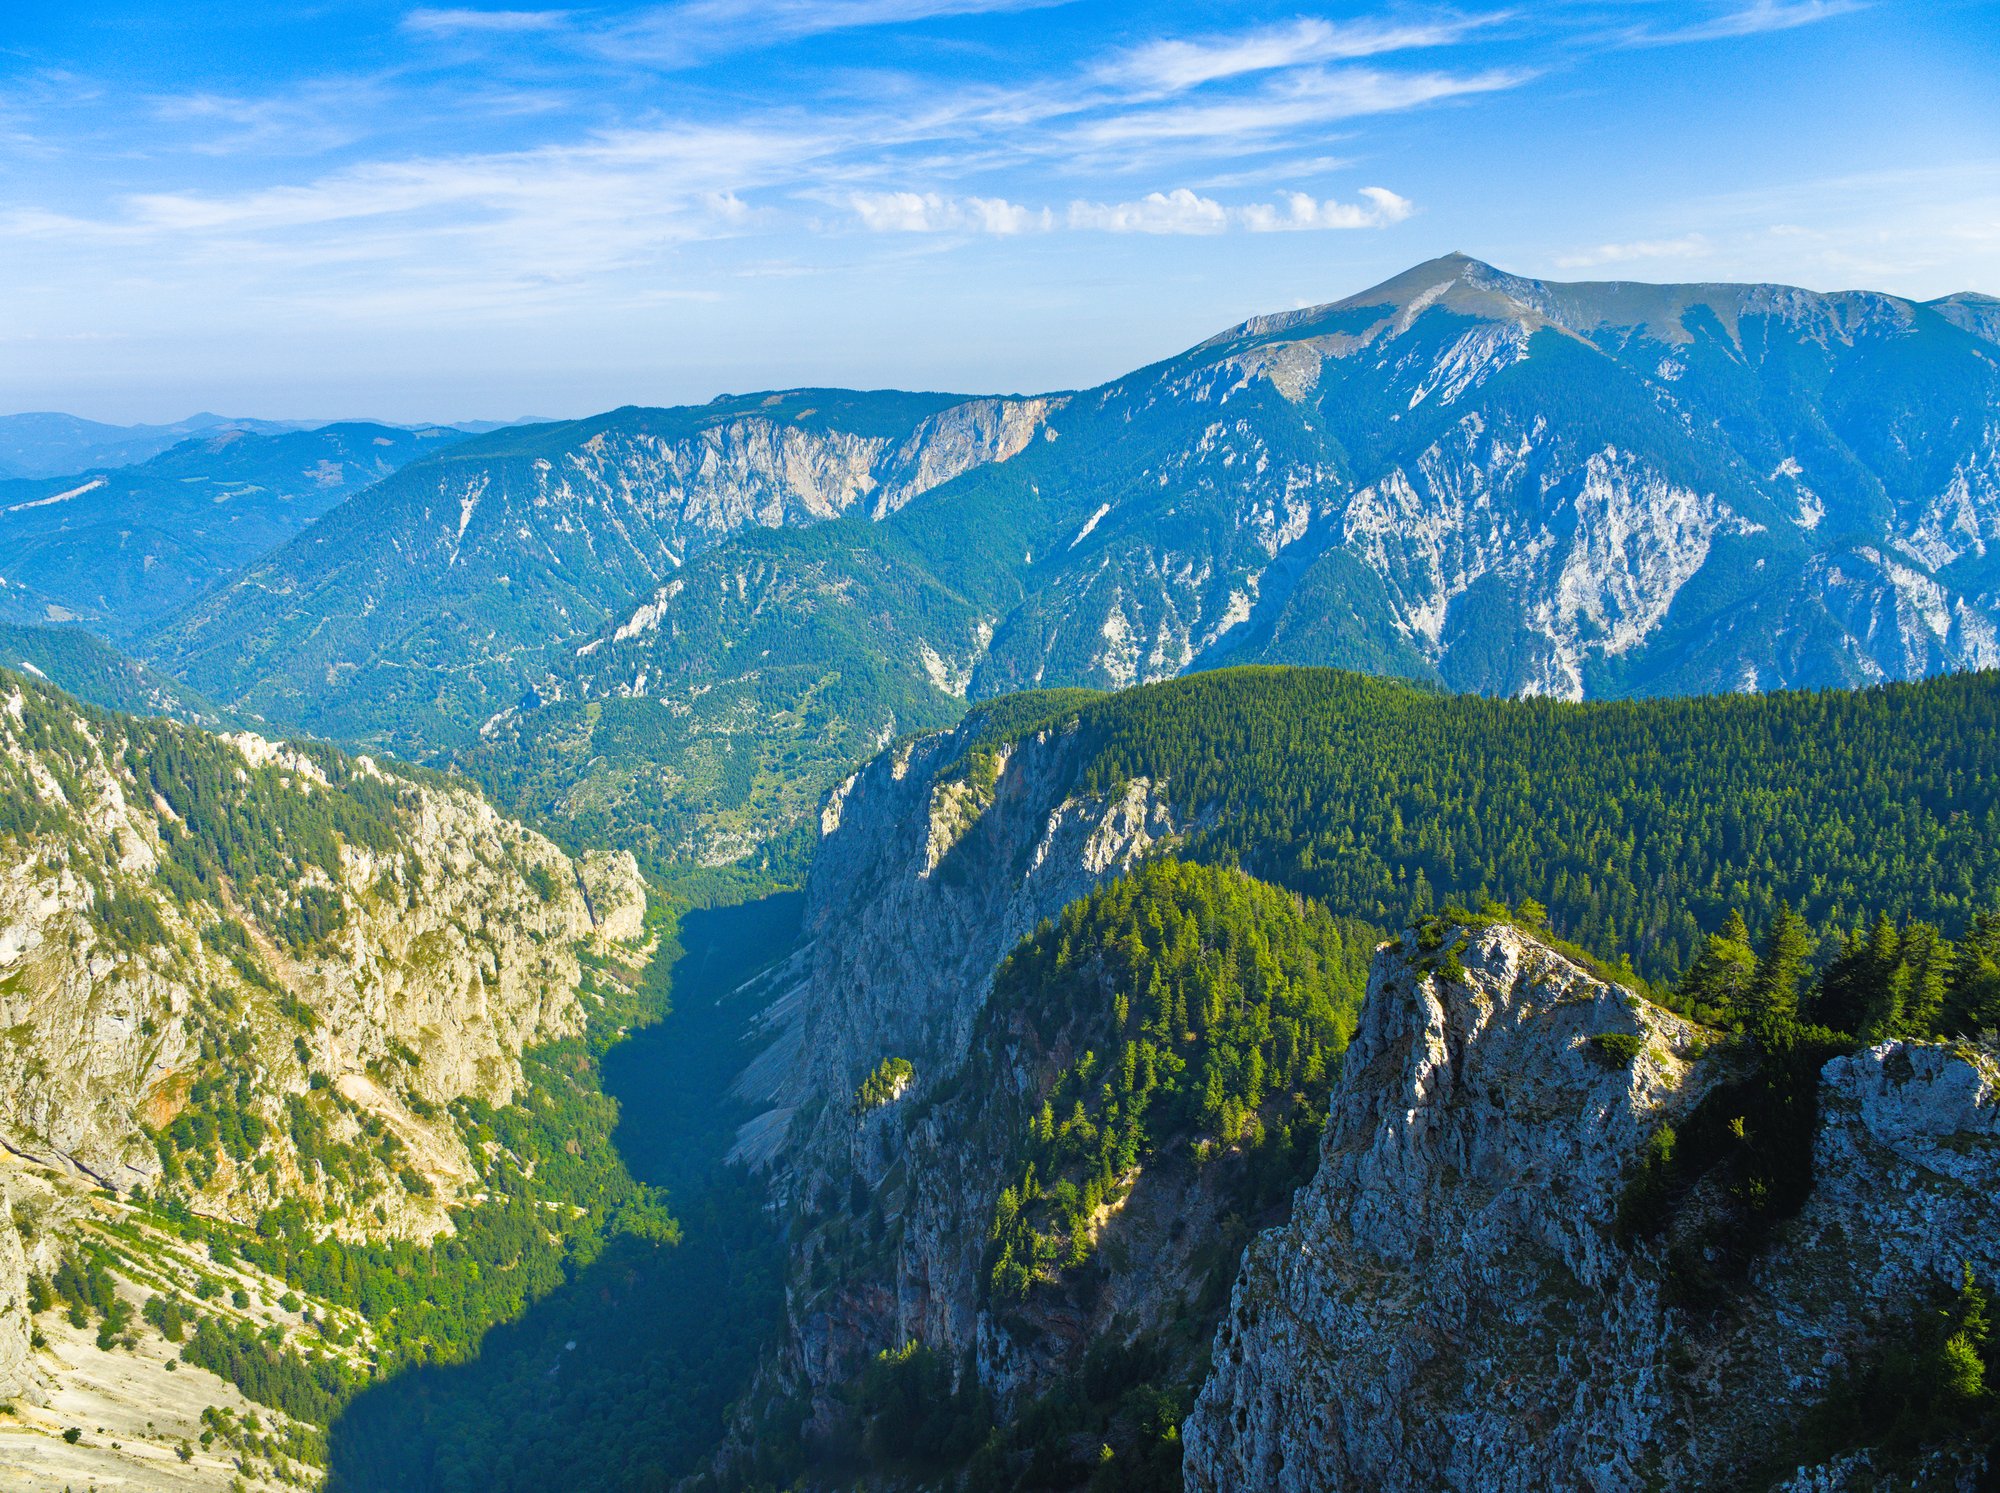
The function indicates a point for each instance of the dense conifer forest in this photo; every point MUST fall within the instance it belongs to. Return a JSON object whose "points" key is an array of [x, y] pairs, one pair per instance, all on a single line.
{"points": [[1229, 1003], [1639, 824]]}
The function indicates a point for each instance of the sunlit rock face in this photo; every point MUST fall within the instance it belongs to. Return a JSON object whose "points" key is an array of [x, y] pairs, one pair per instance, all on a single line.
{"points": [[456, 946], [1452, 1304]]}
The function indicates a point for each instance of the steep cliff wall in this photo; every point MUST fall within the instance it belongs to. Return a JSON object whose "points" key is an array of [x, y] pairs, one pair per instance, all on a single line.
{"points": [[1453, 1304], [929, 870], [401, 969], [242, 976]]}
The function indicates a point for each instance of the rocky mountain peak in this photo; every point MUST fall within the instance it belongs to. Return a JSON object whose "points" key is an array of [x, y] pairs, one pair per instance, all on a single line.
{"points": [[1972, 311], [1471, 288]]}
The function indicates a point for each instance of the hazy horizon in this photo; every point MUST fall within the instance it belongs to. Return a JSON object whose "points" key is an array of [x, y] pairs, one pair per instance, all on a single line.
{"points": [[504, 419], [453, 213]]}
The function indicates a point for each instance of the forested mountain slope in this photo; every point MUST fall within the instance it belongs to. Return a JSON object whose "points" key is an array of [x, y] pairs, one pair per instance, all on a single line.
{"points": [[264, 1012], [1034, 1081], [1506, 485], [120, 547], [91, 669]]}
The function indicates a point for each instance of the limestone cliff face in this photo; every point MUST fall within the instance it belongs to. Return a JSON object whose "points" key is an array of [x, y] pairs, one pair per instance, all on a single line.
{"points": [[1451, 1305], [927, 875], [1371, 483], [14, 1325], [954, 441], [452, 942], [765, 470]]}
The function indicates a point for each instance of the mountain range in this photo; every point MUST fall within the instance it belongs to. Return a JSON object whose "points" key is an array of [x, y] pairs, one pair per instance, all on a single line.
{"points": [[48, 444], [919, 975], [51, 444], [118, 547], [680, 625]]}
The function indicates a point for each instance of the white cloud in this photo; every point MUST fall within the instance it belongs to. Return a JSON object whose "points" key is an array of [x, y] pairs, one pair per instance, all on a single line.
{"points": [[696, 31], [928, 212], [502, 233], [640, 175], [1921, 231], [794, 18], [1752, 20], [1687, 246], [902, 212], [307, 121], [1177, 64], [1178, 211], [1182, 211], [454, 21], [1301, 101], [997, 215], [1380, 209]]}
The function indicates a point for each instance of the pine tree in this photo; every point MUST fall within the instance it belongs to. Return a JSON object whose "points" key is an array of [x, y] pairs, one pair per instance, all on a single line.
{"points": [[1928, 956], [1772, 1003], [1720, 978]]}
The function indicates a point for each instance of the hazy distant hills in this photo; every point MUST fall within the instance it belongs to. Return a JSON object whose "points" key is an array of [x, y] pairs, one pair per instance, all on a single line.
{"points": [[679, 623], [48, 444], [118, 547]]}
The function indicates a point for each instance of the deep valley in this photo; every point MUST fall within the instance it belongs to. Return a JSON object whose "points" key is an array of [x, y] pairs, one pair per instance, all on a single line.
{"points": [[1406, 898]]}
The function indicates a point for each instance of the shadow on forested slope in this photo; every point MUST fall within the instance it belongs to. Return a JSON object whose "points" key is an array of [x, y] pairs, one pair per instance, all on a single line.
{"points": [[619, 1379]]}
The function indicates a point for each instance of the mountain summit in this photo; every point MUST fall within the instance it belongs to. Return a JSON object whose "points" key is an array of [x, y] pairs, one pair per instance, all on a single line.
{"points": [[1460, 284], [1501, 484]]}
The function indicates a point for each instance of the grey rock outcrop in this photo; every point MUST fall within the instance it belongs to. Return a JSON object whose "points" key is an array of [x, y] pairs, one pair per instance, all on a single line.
{"points": [[1452, 1305], [925, 877], [930, 870], [764, 470], [14, 1323]]}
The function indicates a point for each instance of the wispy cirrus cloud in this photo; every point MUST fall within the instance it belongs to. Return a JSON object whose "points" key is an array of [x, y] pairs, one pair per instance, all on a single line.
{"points": [[1686, 246], [999, 158], [692, 32], [459, 21], [1300, 101], [456, 233], [1842, 231], [563, 163], [310, 121], [1174, 65], [796, 18], [1748, 20]]}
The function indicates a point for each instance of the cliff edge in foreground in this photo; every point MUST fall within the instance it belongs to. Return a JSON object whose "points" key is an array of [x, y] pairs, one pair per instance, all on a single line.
{"points": [[1456, 1305]]}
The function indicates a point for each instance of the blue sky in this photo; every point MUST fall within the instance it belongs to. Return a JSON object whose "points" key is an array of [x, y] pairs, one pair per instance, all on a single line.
{"points": [[451, 211]]}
